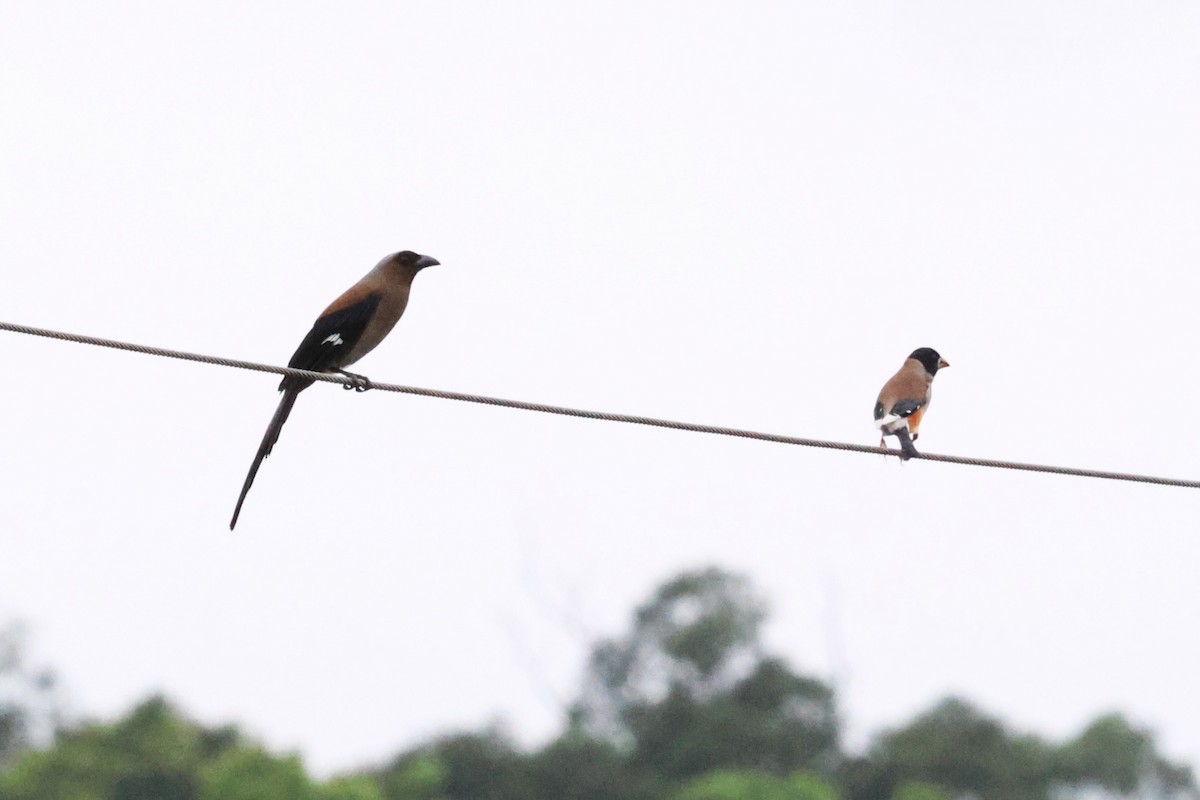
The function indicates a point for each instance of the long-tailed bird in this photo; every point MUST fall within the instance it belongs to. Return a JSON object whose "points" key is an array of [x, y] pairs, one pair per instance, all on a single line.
{"points": [[345, 332]]}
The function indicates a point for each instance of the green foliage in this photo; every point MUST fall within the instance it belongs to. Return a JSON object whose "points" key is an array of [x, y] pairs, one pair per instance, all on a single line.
{"points": [[147, 754], [681, 737], [686, 706], [812, 786], [1113, 754], [701, 620], [1109, 753], [250, 773], [915, 790], [955, 750], [576, 767], [957, 747], [413, 777], [749, 785], [482, 766], [699, 633], [155, 753], [688, 689], [353, 788]]}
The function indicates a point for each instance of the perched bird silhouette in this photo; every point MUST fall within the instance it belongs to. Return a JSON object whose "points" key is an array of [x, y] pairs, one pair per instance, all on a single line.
{"points": [[345, 332], [905, 398]]}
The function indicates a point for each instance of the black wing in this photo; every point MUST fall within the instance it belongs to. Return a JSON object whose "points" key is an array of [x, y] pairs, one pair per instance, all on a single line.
{"points": [[333, 336], [905, 408]]}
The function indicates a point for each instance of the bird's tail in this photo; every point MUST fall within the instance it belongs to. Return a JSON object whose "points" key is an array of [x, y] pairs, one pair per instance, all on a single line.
{"points": [[264, 449], [907, 450]]}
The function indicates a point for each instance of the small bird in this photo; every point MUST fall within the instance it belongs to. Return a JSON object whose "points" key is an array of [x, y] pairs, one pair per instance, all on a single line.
{"points": [[905, 398], [345, 332]]}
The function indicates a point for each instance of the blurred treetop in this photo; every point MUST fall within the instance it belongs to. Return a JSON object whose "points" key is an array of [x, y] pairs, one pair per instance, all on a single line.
{"points": [[686, 705]]}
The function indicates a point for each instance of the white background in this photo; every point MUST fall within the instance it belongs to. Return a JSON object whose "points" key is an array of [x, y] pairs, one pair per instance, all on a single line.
{"points": [[737, 214]]}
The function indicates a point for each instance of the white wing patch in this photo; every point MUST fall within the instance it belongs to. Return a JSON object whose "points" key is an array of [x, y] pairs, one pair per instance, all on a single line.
{"points": [[335, 340], [890, 423]]}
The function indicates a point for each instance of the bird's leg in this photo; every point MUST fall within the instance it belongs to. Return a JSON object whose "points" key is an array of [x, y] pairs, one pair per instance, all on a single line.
{"points": [[907, 450], [359, 383]]}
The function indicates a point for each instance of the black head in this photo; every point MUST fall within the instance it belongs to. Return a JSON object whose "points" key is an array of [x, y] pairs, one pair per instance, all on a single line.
{"points": [[929, 359], [410, 259]]}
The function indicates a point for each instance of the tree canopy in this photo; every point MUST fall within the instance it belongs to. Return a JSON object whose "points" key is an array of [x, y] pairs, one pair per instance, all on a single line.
{"points": [[687, 704]]}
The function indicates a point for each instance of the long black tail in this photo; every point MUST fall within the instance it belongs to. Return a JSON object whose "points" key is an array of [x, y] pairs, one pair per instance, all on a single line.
{"points": [[264, 449], [907, 450]]}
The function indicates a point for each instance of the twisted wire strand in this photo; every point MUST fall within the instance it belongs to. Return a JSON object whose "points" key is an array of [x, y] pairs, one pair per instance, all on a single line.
{"points": [[597, 415]]}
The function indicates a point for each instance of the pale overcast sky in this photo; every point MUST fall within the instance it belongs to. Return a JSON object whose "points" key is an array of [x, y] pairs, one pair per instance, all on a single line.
{"points": [[741, 214]]}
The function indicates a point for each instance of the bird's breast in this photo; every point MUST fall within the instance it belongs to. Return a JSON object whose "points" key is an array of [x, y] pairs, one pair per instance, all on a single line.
{"points": [[387, 314]]}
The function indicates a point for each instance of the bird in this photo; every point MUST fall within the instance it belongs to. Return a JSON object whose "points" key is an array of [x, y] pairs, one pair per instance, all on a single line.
{"points": [[346, 331], [904, 399]]}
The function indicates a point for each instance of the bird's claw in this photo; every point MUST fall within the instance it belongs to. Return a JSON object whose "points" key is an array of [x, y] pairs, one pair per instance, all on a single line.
{"points": [[359, 383]]}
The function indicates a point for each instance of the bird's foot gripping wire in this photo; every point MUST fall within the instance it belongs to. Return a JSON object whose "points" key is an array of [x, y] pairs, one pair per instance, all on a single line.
{"points": [[907, 450], [359, 383]]}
